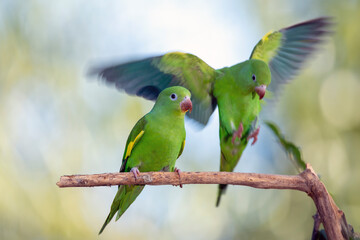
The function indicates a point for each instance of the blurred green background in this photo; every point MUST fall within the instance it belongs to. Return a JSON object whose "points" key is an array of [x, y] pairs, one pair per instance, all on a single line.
{"points": [[54, 120]]}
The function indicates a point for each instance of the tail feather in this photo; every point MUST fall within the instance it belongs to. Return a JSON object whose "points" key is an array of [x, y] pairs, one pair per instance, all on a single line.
{"points": [[224, 166], [128, 199], [221, 191], [108, 219], [124, 197], [229, 157]]}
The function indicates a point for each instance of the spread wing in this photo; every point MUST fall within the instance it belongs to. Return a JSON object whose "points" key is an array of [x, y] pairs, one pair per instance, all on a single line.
{"points": [[148, 77], [286, 50]]}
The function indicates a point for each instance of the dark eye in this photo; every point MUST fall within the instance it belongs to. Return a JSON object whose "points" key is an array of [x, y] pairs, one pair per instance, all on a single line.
{"points": [[253, 77], [173, 96]]}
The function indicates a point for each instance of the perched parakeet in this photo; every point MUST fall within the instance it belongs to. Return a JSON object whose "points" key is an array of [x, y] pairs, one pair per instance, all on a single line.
{"points": [[236, 90], [154, 144]]}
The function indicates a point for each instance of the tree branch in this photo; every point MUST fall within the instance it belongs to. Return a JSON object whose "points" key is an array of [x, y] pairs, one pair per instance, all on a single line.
{"points": [[331, 216]]}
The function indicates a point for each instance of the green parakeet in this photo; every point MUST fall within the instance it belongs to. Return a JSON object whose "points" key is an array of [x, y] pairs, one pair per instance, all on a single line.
{"points": [[154, 144], [236, 90]]}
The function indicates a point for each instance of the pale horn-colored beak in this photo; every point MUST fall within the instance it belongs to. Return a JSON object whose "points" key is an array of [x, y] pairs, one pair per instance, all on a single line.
{"points": [[186, 105], [260, 90]]}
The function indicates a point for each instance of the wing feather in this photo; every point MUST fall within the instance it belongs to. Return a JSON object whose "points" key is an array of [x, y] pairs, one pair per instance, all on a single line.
{"points": [[148, 77], [135, 135], [288, 49]]}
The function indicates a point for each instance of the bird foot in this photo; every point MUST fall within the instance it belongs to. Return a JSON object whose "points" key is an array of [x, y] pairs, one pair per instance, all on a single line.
{"points": [[237, 133], [178, 171], [136, 172], [254, 135]]}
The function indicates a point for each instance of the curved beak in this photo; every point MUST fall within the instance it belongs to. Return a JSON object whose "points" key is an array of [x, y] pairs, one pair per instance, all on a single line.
{"points": [[260, 90], [186, 104]]}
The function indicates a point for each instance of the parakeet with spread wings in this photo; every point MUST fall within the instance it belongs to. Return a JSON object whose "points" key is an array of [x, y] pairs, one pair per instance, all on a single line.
{"points": [[237, 90]]}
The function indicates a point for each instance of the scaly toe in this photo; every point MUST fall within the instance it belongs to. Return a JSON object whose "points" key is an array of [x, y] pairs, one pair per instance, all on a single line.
{"points": [[254, 135], [178, 171], [136, 172]]}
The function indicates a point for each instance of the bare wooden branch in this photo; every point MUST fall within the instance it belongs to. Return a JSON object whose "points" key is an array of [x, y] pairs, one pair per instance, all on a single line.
{"points": [[329, 213], [331, 216], [170, 178]]}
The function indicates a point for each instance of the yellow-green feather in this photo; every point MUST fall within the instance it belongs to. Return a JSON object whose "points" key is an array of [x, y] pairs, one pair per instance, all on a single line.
{"points": [[182, 148], [267, 47], [131, 144]]}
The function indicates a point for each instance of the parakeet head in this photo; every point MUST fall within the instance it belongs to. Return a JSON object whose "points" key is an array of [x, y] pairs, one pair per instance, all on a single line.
{"points": [[174, 99], [255, 77]]}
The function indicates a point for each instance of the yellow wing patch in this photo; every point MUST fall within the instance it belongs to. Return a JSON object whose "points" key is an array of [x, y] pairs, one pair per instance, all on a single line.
{"points": [[267, 47], [132, 143], [266, 37]]}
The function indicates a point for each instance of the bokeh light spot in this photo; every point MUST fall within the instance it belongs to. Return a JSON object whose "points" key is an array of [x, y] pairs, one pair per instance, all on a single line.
{"points": [[339, 99]]}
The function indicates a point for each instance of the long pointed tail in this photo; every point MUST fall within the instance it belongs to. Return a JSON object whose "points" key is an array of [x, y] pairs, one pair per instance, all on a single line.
{"points": [[108, 219], [124, 197], [221, 191]]}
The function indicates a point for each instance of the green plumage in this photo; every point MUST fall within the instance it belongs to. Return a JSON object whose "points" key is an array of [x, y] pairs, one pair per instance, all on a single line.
{"points": [[236, 90], [154, 144]]}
